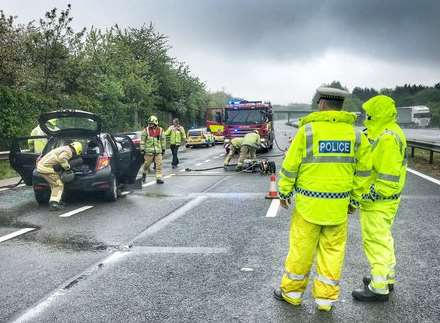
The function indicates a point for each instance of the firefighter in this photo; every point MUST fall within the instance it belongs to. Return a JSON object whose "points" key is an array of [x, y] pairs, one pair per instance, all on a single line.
{"points": [[248, 150], [153, 145], [327, 165], [37, 145], [177, 136], [48, 167], [233, 148], [379, 207]]}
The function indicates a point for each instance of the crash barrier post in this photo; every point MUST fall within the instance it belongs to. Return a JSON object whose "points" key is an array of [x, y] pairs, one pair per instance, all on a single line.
{"points": [[273, 193], [424, 145]]}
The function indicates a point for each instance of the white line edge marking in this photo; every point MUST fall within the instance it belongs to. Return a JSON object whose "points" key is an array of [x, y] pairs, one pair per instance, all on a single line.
{"points": [[10, 188], [429, 178], [16, 234], [273, 209], [81, 209], [148, 184]]}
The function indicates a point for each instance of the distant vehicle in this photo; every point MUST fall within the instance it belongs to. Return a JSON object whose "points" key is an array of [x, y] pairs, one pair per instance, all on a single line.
{"points": [[242, 117], [199, 137], [215, 123], [109, 161], [415, 116]]}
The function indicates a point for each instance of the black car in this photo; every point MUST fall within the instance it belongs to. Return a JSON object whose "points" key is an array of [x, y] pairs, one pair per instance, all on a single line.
{"points": [[108, 161]]}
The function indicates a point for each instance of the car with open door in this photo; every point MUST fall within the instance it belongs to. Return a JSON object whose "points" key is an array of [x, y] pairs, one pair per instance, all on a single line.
{"points": [[108, 161]]}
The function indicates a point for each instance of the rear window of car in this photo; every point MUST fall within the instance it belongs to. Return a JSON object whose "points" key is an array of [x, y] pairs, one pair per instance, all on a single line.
{"points": [[195, 133], [91, 146]]}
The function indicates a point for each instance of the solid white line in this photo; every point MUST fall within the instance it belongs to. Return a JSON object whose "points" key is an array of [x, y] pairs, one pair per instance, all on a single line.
{"points": [[273, 209], [153, 250], [10, 188], [16, 234], [148, 184], [429, 178], [81, 209], [3, 189]]}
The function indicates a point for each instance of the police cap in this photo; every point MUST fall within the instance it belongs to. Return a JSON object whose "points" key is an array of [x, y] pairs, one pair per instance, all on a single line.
{"points": [[330, 93]]}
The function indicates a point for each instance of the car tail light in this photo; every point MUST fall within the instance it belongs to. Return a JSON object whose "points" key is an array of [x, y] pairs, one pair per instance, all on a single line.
{"points": [[136, 141], [103, 162]]}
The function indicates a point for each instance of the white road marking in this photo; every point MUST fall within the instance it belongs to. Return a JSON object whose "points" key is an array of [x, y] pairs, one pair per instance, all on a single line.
{"points": [[273, 209], [203, 250], [81, 209], [149, 184], [207, 161], [182, 170], [125, 193], [429, 178], [16, 234], [216, 157], [168, 176], [10, 188], [198, 164]]}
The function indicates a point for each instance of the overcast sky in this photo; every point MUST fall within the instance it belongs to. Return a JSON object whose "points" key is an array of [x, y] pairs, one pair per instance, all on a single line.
{"points": [[279, 50]]}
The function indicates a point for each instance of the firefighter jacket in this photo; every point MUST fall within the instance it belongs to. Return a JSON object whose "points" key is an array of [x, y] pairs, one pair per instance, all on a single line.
{"points": [[328, 163], [153, 140], [59, 156], [177, 134], [237, 142], [252, 140], [388, 146]]}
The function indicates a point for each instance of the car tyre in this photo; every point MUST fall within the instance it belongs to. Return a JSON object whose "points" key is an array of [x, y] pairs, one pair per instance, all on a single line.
{"points": [[42, 197], [112, 194]]}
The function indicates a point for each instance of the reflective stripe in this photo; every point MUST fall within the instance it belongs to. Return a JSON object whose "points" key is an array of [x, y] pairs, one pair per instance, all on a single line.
{"points": [[328, 159], [382, 291], [323, 195], [324, 301], [288, 174], [327, 281], [379, 279], [363, 173], [388, 177], [293, 276], [309, 140], [293, 295]]}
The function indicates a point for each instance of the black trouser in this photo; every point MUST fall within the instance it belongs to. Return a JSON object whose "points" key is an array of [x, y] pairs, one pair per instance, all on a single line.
{"points": [[174, 150]]}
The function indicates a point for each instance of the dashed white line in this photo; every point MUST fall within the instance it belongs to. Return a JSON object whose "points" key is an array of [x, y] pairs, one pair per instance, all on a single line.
{"points": [[168, 176], [149, 184], [273, 209], [429, 178], [125, 193], [16, 234], [182, 170], [207, 161], [81, 209], [198, 164]]}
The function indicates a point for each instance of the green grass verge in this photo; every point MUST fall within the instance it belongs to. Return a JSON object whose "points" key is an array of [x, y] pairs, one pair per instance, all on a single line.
{"points": [[6, 171]]}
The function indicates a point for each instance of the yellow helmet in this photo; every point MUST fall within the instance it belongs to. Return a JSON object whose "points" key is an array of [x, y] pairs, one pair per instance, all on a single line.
{"points": [[77, 146], [153, 120], [256, 131]]}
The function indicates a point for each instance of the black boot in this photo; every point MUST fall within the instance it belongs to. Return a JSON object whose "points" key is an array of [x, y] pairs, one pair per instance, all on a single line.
{"points": [[367, 280], [366, 295], [159, 181], [278, 295], [55, 206], [144, 177]]}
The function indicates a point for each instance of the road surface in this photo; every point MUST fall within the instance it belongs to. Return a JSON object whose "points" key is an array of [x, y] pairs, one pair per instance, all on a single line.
{"points": [[202, 247]]}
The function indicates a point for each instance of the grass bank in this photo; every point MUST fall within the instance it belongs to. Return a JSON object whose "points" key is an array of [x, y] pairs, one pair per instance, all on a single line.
{"points": [[6, 171], [420, 162]]}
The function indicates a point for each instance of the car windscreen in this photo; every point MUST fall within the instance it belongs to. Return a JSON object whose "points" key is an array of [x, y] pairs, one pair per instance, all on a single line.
{"points": [[71, 123], [245, 116], [195, 133], [422, 115]]}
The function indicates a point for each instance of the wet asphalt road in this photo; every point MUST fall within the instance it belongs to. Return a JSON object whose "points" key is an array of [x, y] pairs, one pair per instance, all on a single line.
{"points": [[199, 248]]}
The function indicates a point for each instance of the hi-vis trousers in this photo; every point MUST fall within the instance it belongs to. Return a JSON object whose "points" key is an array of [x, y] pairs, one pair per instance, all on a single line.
{"points": [[306, 240], [376, 222]]}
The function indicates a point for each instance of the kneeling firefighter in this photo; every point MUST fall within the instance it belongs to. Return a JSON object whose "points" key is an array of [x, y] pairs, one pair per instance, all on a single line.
{"points": [[327, 165], [379, 207], [153, 144], [248, 150], [234, 148], [47, 166]]}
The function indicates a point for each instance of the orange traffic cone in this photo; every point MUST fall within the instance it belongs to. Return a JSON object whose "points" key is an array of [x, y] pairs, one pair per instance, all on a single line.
{"points": [[272, 194]]}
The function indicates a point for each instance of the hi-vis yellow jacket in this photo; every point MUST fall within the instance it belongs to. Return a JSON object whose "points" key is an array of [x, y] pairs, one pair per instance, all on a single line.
{"points": [[327, 164], [388, 145]]}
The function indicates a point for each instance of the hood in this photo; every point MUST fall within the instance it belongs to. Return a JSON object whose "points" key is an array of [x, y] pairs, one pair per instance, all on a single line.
{"points": [[328, 116], [380, 110]]}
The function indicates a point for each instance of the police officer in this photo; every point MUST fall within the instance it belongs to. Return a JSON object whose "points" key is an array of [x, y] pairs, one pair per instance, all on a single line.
{"points": [[153, 145], [327, 165], [177, 136], [234, 148], [57, 159], [248, 150], [379, 207]]}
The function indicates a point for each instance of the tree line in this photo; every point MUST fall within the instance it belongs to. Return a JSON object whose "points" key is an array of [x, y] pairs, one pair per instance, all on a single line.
{"points": [[121, 74]]}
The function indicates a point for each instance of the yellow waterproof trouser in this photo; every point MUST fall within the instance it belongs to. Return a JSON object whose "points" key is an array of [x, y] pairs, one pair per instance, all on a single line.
{"points": [[306, 239], [157, 159], [232, 151], [246, 152], [56, 186], [376, 222]]}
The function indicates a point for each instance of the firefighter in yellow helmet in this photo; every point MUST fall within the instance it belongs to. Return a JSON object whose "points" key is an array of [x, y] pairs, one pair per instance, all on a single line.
{"points": [[328, 165], [249, 146], [232, 148], [51, 164], [379, 207], [153, 144]]}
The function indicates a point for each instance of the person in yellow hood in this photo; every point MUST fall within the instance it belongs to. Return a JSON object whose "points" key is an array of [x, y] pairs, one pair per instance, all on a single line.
{"points": [[379, 207], [328, 165]]}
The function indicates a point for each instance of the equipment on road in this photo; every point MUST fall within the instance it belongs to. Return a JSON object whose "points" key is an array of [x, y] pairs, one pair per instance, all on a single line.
{"points": [[263, 166], [273, 193]]}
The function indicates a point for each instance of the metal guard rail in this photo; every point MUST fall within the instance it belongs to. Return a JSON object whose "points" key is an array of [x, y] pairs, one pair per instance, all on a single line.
{"points": [[424, 145]]}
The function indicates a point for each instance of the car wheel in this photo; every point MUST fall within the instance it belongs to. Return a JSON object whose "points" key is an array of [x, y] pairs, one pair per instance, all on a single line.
{"points": [[112, 194], [42, 197]]}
